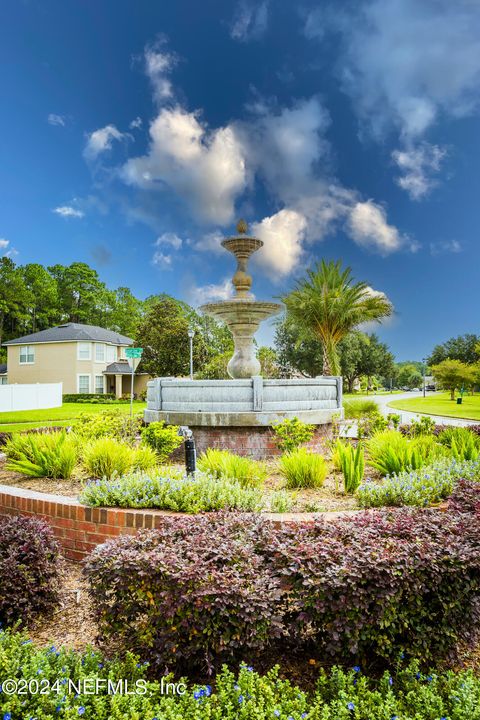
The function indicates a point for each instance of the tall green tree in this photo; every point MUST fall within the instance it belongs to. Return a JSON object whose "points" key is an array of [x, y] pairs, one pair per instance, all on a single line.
{"points": [[44, 303], [295, 353], [83, 296], [328, 304], [14, 298], [465, 348], [454, 374], [409, 375]]}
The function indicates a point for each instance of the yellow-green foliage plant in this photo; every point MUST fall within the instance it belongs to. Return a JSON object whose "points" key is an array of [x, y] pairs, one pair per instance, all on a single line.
{"points": [[224, 464], [351, 462], [52, 455], [107, 457], [390, 452], [303, 469]]}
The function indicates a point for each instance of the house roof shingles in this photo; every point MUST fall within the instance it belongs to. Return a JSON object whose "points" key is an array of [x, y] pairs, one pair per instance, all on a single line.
{"points": [[71, 332], [120, 368]]}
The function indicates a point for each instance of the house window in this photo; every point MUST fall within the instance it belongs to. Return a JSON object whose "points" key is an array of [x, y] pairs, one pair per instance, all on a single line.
{"points": [[111, 354], [3, 380], [84, 351], [99, 384], [122, 353], [99, 352], [27, 354], [84, 383]]}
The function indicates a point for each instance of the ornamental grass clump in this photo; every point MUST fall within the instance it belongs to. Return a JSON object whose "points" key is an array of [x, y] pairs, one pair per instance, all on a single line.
{"points": [[462, 444], [303, 469], [225, 465], [29, 570], [390, 452], [107, 457], [420, 488], [52, 455], [175, 491]]}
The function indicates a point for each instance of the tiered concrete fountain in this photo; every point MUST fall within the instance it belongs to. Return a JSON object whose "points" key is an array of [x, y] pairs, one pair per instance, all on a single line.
{"points": [[237, 414]]}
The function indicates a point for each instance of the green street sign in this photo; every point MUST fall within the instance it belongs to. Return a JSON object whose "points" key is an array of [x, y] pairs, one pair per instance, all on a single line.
{"points": [[133, 352]]}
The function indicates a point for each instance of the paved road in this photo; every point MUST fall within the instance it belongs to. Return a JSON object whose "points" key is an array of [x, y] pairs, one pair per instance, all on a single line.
{"points": [[383, 405]]}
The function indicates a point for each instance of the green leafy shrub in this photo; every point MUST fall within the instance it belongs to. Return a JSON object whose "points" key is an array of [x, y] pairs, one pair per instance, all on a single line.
{"points": [[402, 692], [194, 591], [351, 462], [390, 452], [52, 455], [164, 439], [109, 423], [423, 426], [303, 469], [88, 397], [107, 457], [226, 465], [176, 492], [290, 434], [29, 569], [355, 409], [422, 487]]}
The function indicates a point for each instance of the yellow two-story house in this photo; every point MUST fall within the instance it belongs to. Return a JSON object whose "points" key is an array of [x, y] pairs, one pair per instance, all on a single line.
{"points": [[85, 358]]}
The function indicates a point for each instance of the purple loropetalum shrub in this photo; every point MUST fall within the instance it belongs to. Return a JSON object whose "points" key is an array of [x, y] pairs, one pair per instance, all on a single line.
{"points": [[195, 592], [29, 569], [206, 589], [465, 498], [383, 582]]}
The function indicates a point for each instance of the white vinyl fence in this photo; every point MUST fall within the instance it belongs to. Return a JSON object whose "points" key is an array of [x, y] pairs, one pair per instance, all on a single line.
{"points": [[30, 397]]}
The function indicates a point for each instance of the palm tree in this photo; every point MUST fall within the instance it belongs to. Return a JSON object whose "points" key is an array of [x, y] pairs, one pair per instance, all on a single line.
{"points": [[328, 305]]}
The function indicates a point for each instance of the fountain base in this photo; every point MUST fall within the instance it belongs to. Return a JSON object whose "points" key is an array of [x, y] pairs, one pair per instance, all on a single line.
{"points": [[238, 414]]}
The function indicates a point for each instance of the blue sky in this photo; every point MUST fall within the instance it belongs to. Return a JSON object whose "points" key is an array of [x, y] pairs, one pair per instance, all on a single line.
{"points": [[134, 134]]}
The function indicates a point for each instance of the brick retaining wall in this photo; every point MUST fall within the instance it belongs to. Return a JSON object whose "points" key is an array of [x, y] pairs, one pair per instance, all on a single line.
{"points": [[254, 442], [79, 528]]}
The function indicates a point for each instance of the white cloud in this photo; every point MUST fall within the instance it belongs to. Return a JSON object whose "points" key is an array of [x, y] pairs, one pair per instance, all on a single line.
{"points": [[162, 260], [211, 293], [54, 119], [101, 140], [206, 168], [369, 228], [283, 235], [210, 242], [67, 211], [250, 21], [6, 250], [169, 239], [405, 62], [445, 246], [136, 124], [158, 65], [417, 166]]}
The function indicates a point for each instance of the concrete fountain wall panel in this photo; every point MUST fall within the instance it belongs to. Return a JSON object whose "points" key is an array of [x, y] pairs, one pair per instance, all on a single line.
{"points": [[238, 414]]}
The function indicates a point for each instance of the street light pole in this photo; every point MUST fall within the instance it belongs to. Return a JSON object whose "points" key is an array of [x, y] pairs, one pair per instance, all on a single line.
{"points": [[191, 334], [424, 373]]}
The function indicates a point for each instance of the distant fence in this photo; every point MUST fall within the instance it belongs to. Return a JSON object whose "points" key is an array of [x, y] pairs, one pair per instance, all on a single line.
{"points": [[30, 397]]}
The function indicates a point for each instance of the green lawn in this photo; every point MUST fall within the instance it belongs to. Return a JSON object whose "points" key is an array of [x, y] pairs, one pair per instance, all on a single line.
{"points": [[440, 404], [64, 415]]}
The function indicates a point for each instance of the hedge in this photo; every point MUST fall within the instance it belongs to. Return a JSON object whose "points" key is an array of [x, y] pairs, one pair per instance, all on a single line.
{"points": [[205, 589], [29, 569], [88, 397], [403, 693]]}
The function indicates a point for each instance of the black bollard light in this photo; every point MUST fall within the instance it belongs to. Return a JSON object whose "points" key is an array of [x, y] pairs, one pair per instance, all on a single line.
{"points": [[190, 451]]}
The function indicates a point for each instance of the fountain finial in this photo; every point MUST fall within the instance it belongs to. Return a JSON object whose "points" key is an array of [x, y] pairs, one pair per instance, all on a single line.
{"points": [[242, 227]]}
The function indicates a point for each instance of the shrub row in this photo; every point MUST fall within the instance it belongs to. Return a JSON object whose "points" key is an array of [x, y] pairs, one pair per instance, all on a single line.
{"points": [[403, 694], [201, 590], [29, 569], [88, 397]]}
